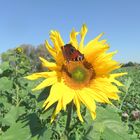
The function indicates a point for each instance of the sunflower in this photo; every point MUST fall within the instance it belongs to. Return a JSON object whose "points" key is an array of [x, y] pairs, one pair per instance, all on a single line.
{"points": [[19, 50], [84, 81]]}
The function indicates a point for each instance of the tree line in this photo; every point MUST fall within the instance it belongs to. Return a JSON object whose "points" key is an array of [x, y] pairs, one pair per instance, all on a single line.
{"points": [[34, 52]]}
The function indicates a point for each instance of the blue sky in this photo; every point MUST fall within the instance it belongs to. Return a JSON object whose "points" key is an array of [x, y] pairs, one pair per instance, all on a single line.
{"points": [[30, 21]]}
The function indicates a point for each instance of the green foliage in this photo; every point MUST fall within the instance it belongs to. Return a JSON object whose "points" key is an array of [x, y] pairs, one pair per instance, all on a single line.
{"points": [[130, 99], [32, 52], [107, 126], [22, 116]]}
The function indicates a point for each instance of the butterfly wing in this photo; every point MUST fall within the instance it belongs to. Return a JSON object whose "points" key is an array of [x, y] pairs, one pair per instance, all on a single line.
{"points": [[71, 54]]}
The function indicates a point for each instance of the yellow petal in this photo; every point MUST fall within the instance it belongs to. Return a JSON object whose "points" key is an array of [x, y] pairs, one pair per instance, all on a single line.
{"points": [[41, 75], [103, 63], [95, 43], [88, 102], [103, 41], [117, 82], [105, 57], [54, 96], [115, 75], [110, 95], [93, 114], [58, 43], [106, 84], [83, 34], [97, 95], [104, 87], [49, 65], [98, 37], [113, 96], [106, 67], [73, 39], [47, 82], [57, 40], [50, 49], [60, 90], [57, 110], [60, 59], [68, 95], [94, 49], [77, 104]]}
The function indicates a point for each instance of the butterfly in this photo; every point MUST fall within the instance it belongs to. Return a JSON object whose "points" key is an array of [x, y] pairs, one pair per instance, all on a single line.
{"points": [[70, 53]]}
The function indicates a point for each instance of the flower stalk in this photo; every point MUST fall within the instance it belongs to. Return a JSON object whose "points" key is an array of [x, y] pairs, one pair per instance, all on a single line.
{"points": [[70, 106]]}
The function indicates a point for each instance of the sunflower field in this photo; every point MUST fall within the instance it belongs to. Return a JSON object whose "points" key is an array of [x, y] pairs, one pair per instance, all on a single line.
{"points": [[23, 118]]}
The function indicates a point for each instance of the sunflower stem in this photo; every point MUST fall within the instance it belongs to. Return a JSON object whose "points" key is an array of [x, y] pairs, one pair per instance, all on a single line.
{"points": [[70, 106]]}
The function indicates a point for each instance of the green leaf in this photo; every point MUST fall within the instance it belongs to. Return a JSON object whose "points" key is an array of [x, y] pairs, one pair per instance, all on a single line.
{"points": [[128, 83], [64, 137], [75, 137], [1, 71], [107, 125], [4, 66], [17, 131], [11, 117], [21, 71], [45, 133], [6, 84], [47, 113], [28, 129], [4, 105]]}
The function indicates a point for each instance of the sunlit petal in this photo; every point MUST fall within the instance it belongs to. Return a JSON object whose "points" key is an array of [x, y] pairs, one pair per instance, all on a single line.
{"points": [[83, 34], [41, 75], [50, 49], [47, 82], [77, 104], [57, 40], [49, 65], [73, 39], [88, 102]]}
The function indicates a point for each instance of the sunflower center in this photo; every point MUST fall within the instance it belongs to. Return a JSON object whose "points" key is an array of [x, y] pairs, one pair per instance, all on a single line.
{"points": [[77, 74]]}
